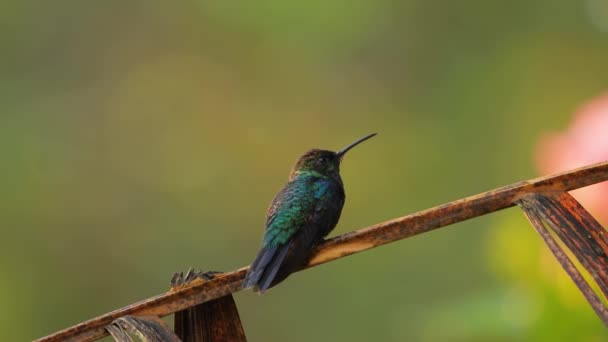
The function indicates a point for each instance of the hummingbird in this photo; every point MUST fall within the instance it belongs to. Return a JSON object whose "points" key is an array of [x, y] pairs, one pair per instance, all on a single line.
{"points": [[300, 216]]}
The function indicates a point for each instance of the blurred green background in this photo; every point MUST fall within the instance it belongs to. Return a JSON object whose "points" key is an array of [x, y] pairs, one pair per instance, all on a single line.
{"points": [[140, 138]]}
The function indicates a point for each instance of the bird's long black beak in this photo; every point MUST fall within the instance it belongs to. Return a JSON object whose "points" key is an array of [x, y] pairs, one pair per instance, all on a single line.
{"points": [[347, 148]]}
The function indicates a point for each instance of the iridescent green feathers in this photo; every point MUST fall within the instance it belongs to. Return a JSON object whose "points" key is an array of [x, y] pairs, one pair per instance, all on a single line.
{"points": [[292, 207], [300, 216]]}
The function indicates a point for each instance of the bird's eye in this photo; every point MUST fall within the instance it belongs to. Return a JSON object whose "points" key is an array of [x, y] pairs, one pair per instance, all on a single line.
{"points": [[322, 159]]}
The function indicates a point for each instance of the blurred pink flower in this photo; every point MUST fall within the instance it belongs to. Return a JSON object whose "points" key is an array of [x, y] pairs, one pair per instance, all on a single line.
{"points": [[584, 142]]}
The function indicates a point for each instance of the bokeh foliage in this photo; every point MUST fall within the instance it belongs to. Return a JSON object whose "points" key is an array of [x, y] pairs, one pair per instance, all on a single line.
{"points": [[141, 138]]}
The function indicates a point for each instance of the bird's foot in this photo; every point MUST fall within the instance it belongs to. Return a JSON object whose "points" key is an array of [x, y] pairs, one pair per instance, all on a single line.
{"points": [[181, 279]]}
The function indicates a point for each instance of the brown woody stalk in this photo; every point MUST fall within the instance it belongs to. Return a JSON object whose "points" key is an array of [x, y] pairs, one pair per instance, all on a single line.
{"points": [[343, 245], [534, 216]]}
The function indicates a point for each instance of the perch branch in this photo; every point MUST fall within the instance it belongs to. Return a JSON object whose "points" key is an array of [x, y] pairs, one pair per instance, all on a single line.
{"points": [[357, 241]]}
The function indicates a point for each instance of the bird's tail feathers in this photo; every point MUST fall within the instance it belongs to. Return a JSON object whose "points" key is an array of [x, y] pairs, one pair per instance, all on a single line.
{"points": [[265, 267], [271, 270], [258, 266]]}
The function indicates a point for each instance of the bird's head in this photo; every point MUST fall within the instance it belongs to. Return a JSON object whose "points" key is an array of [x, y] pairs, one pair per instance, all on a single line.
{"points": [[324, 163]]}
